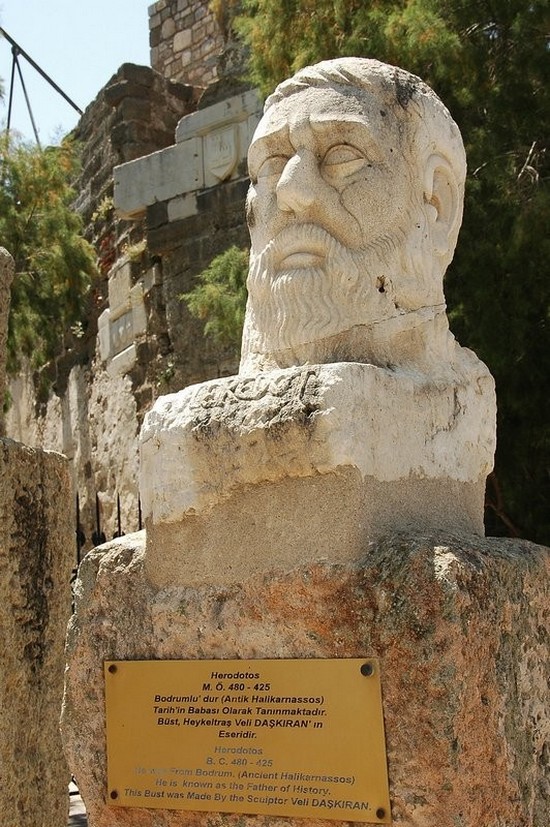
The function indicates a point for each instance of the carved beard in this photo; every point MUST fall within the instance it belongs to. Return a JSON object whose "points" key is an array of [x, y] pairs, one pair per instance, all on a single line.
{"points": [[292, 308]]}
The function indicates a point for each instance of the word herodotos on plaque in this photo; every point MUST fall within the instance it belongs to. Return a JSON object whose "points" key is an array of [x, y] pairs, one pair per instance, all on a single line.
{"points": [[281, 737]]}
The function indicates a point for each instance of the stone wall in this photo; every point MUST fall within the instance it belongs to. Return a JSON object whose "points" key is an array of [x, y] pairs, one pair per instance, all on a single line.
{"points": [[139, 340], [185, 39], [191, 197], [134, 114], [101, 385], [36, 558]]}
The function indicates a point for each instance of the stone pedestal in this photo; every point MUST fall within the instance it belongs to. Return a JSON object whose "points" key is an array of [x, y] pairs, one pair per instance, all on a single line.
{"points": [[249, 472], [37, 553], [459, 623]]}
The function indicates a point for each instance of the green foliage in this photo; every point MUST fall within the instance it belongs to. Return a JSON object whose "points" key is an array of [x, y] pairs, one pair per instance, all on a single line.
{"points": [[53, 263], [104, 209], [490, 63], [219, 297], [285, 35]]}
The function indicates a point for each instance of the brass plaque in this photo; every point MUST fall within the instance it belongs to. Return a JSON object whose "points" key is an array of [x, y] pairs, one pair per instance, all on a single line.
{"points": [[294, 738]]}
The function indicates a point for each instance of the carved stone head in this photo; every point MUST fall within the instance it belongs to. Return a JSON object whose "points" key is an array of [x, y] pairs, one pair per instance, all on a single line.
{"points": [[357, 180]]}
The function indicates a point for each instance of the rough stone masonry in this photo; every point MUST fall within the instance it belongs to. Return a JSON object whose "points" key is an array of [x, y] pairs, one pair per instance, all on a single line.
{"points": [[36, 558], [6, 278]]}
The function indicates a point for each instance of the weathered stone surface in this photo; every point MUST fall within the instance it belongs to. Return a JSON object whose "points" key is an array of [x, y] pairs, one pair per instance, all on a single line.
{"points": [[461, 627], [95, 425], [6, 277], [37, 553], [308, 462]]}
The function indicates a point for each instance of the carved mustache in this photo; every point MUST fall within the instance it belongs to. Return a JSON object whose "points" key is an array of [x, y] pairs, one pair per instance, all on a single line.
{"points": [[307, 241]]}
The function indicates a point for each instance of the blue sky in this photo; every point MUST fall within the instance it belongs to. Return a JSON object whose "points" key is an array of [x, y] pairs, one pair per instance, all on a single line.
{"points": [[79, 43]]}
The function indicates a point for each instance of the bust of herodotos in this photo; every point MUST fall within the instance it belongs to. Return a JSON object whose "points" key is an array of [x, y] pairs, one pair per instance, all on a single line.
{"points": [[357, 182], [355, 412]]}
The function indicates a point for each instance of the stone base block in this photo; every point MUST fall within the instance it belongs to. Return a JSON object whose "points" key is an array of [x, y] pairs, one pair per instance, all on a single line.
{"points": [[241, 473], [460, 625], [37, 553]]}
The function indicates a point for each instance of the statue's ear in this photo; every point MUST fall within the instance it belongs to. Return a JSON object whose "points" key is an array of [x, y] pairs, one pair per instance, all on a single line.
{"points": [[444, 203]]}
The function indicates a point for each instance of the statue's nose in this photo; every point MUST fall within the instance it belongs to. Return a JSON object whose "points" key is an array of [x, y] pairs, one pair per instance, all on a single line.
{"points": [[296, 186]]}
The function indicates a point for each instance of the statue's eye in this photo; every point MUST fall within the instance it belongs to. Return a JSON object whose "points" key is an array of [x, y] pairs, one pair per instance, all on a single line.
{"points": [[272, 166], [343, 159]]}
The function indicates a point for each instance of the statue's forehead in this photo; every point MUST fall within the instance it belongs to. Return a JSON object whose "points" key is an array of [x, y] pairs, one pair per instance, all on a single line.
{"points": [[323, 109]]}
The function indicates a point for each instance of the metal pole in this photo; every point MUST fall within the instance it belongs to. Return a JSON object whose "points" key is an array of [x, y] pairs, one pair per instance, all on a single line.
{"points": [[13, 62], [39, 70], [27, 101]]}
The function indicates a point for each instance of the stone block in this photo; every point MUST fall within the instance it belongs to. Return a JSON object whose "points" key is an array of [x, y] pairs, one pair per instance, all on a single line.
{"points": [[37, 553], [124, 88], [123, 362], [182, 40], [216, 199], [168, 237], [122, 333], [185, 58], [222, 461], [232, 110], [460, 625], [157, 215], [154, 20], [139, 314], [135, 109], [182, 207], [142, 75], [182, 91], [104, 335], [168, 28], [126, 133], [201, 11], [120, 282], [154, 38], [158, 177]]}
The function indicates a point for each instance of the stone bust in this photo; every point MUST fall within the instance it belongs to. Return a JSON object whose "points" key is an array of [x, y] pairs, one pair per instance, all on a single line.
{"points": [[357, 180], [355, 413]]}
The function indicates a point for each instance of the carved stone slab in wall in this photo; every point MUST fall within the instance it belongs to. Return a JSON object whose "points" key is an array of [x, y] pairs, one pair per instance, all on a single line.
{"points": [[221, 152], [125, 320], [211, 146]]}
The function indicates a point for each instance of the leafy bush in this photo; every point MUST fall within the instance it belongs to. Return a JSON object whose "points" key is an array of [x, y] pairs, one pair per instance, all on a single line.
{"points": [[54, 265], [219, 298]]}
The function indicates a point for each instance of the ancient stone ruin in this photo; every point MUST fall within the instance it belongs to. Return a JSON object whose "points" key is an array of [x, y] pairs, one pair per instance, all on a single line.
{"points": [[139, 340]]}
